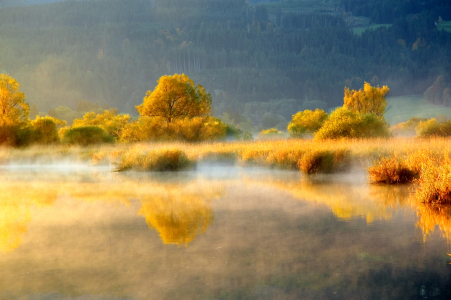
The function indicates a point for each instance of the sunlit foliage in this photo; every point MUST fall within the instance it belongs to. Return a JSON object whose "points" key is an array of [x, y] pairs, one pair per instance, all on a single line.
{"points": [[110, 121], [432, 127], [174, 98], [45, 129], [369, 100], [343, 122], [13, 108], [86, 135], [391, 170], [198, 129], [435, 182], [13, 112], [144, 129], [306, 121]]}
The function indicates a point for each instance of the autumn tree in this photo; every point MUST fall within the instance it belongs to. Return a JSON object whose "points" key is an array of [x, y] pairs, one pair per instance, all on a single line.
{"points": [[13, 109], [369, 100], [176, 97], [13, 113]]}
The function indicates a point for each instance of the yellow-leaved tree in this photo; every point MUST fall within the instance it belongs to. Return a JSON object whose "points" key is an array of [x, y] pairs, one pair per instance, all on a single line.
{"points": [[369, 100], [176, 98], [13, 109], [13, 112]]}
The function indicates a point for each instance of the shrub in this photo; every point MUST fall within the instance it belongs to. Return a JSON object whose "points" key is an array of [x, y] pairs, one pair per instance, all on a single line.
{"points": [[110, 121], [46, 129], [154, 160], [198, 129], [86, 135], [16, 135], [306, 121], [344, 123], [431, 127], [144, 129]]}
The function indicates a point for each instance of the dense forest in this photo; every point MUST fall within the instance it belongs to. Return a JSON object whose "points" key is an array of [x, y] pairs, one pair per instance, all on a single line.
{"points": [[262, 61]]}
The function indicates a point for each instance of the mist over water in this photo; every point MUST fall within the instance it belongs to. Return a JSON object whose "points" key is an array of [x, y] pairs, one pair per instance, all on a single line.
{"points": [[216, 231]]}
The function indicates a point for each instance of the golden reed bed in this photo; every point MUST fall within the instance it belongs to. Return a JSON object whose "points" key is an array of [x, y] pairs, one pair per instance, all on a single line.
{"points": [[388, 160]]}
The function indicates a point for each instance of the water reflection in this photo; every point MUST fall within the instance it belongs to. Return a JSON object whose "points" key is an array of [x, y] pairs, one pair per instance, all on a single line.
{"points": [[16, 200], [346, 200], [180, 212], [263, 245], [431, 215]]}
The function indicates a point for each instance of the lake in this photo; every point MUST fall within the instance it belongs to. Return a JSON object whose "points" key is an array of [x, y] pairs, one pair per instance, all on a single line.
{"points": [[217, 232]]}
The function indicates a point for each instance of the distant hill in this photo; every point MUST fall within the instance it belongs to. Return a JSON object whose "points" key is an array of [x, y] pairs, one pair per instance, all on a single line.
{"points": [[10, 3], [274, 56]]}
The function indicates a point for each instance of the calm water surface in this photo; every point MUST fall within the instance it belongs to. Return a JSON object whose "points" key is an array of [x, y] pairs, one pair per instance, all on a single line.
{"points": [[216, 233]]}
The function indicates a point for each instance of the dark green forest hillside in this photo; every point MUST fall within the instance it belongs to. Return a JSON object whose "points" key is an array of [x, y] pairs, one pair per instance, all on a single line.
{"points": [[263, 59]]}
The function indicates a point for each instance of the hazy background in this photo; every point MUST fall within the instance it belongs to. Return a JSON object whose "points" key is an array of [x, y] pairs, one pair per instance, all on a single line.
{"points": [[262, 61]]}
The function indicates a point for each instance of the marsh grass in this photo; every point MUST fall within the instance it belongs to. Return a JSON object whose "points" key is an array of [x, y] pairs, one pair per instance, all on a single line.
{"points": [[434, 184], [388, 160], [391, 170], [164, 159], [317, 162]]}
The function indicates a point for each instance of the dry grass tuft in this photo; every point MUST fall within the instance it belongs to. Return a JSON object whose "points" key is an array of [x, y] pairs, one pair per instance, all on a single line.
{"points": [[391, 170], [317, 162], [165, 159], [435, 182]]}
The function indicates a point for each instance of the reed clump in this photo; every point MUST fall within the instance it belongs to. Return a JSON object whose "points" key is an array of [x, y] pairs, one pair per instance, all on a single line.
{"points": [[391, 170], [434, 184], [165, 159]]}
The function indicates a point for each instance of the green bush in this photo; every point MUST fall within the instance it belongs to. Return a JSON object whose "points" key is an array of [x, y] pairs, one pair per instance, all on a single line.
{"points": [[343, 123], [86, 135]]}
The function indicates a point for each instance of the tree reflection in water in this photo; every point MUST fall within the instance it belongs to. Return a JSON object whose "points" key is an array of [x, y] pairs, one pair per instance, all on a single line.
{"points": [[16, 200], [178, 216]]}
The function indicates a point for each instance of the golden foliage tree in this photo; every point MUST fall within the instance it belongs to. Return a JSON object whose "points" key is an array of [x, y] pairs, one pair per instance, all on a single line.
{"points": [[174, 98], [13, 109], [369, 100]]}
